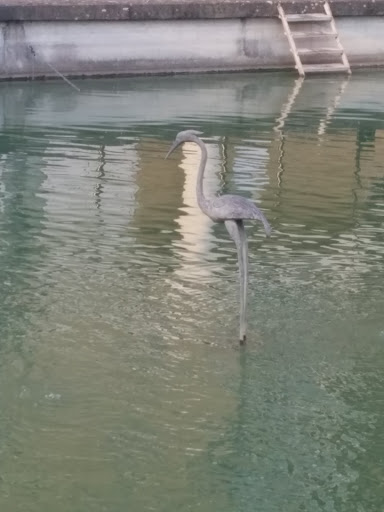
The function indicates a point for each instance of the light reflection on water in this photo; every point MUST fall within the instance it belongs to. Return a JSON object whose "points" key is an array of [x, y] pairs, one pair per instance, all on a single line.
{"points": [[122, 386]]}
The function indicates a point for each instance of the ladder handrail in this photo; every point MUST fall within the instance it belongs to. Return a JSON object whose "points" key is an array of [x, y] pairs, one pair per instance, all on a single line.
{"points": [[292, 43], [344, 57]]}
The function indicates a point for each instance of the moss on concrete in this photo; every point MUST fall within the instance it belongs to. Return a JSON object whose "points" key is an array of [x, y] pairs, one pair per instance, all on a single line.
{"points": [[141, 10]]}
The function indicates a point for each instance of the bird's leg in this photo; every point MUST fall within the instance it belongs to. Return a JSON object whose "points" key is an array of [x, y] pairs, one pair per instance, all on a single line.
{"points": [[237, 233], [243, 279]]}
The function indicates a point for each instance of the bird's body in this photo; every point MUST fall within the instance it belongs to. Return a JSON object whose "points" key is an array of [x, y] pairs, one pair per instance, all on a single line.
{"points": [[230, 209]]}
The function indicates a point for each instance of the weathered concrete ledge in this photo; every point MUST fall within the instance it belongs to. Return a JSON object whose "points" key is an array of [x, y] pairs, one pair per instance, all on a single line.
{"points": [[150, 10], [120, 37]]}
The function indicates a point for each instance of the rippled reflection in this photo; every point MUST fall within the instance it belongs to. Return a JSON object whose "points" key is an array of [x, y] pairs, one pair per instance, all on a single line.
{"points": [[122, 386], [195, 228]]}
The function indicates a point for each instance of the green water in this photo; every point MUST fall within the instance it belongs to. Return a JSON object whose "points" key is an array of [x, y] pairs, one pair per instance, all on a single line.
{"points": [[122, 387]]}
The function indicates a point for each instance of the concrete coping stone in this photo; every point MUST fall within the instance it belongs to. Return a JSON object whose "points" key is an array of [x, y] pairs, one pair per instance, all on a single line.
{"points": [[150, 10]]}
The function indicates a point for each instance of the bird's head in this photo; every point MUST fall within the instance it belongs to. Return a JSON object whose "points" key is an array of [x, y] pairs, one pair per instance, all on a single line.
{"points": [[185, 136]]}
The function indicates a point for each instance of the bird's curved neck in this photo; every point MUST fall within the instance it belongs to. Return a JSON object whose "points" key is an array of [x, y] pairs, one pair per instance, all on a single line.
{"points": [[201, 199]]}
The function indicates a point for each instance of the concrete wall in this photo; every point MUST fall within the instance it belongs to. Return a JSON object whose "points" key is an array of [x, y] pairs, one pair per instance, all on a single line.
{"points": [[125, 47]]}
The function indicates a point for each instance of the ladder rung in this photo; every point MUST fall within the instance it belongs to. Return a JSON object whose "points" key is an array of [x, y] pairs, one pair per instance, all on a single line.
{"points": [[299, 35], [311, 51], [325, 68], [297, 18]]}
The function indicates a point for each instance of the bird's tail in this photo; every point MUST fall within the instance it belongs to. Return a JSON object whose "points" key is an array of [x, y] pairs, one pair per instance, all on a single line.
{"points": [[267, 226], [260, 216]]}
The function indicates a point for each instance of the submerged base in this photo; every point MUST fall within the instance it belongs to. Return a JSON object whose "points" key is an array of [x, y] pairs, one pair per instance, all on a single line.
{"points": [[243, 341]]}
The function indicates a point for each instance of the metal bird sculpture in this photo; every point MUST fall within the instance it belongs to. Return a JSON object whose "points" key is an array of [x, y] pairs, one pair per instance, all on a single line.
{"points": [[230, 209]]}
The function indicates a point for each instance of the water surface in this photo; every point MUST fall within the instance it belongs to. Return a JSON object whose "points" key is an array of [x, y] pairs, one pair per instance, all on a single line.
{"points": [[121, 383]]}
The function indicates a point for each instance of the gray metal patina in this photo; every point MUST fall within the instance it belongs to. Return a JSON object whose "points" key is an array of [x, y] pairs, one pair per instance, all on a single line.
{"points": [[232, 210]]}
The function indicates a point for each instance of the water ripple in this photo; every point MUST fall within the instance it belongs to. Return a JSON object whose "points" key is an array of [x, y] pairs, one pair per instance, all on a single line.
{"points": [[122, 382]]}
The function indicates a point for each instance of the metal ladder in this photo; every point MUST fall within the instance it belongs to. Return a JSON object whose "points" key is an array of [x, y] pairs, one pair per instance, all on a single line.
{"points": [[318, 32]]}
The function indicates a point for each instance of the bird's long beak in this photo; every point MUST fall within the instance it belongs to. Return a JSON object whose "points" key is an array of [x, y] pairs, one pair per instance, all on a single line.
{"points": [[172, 148]]}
